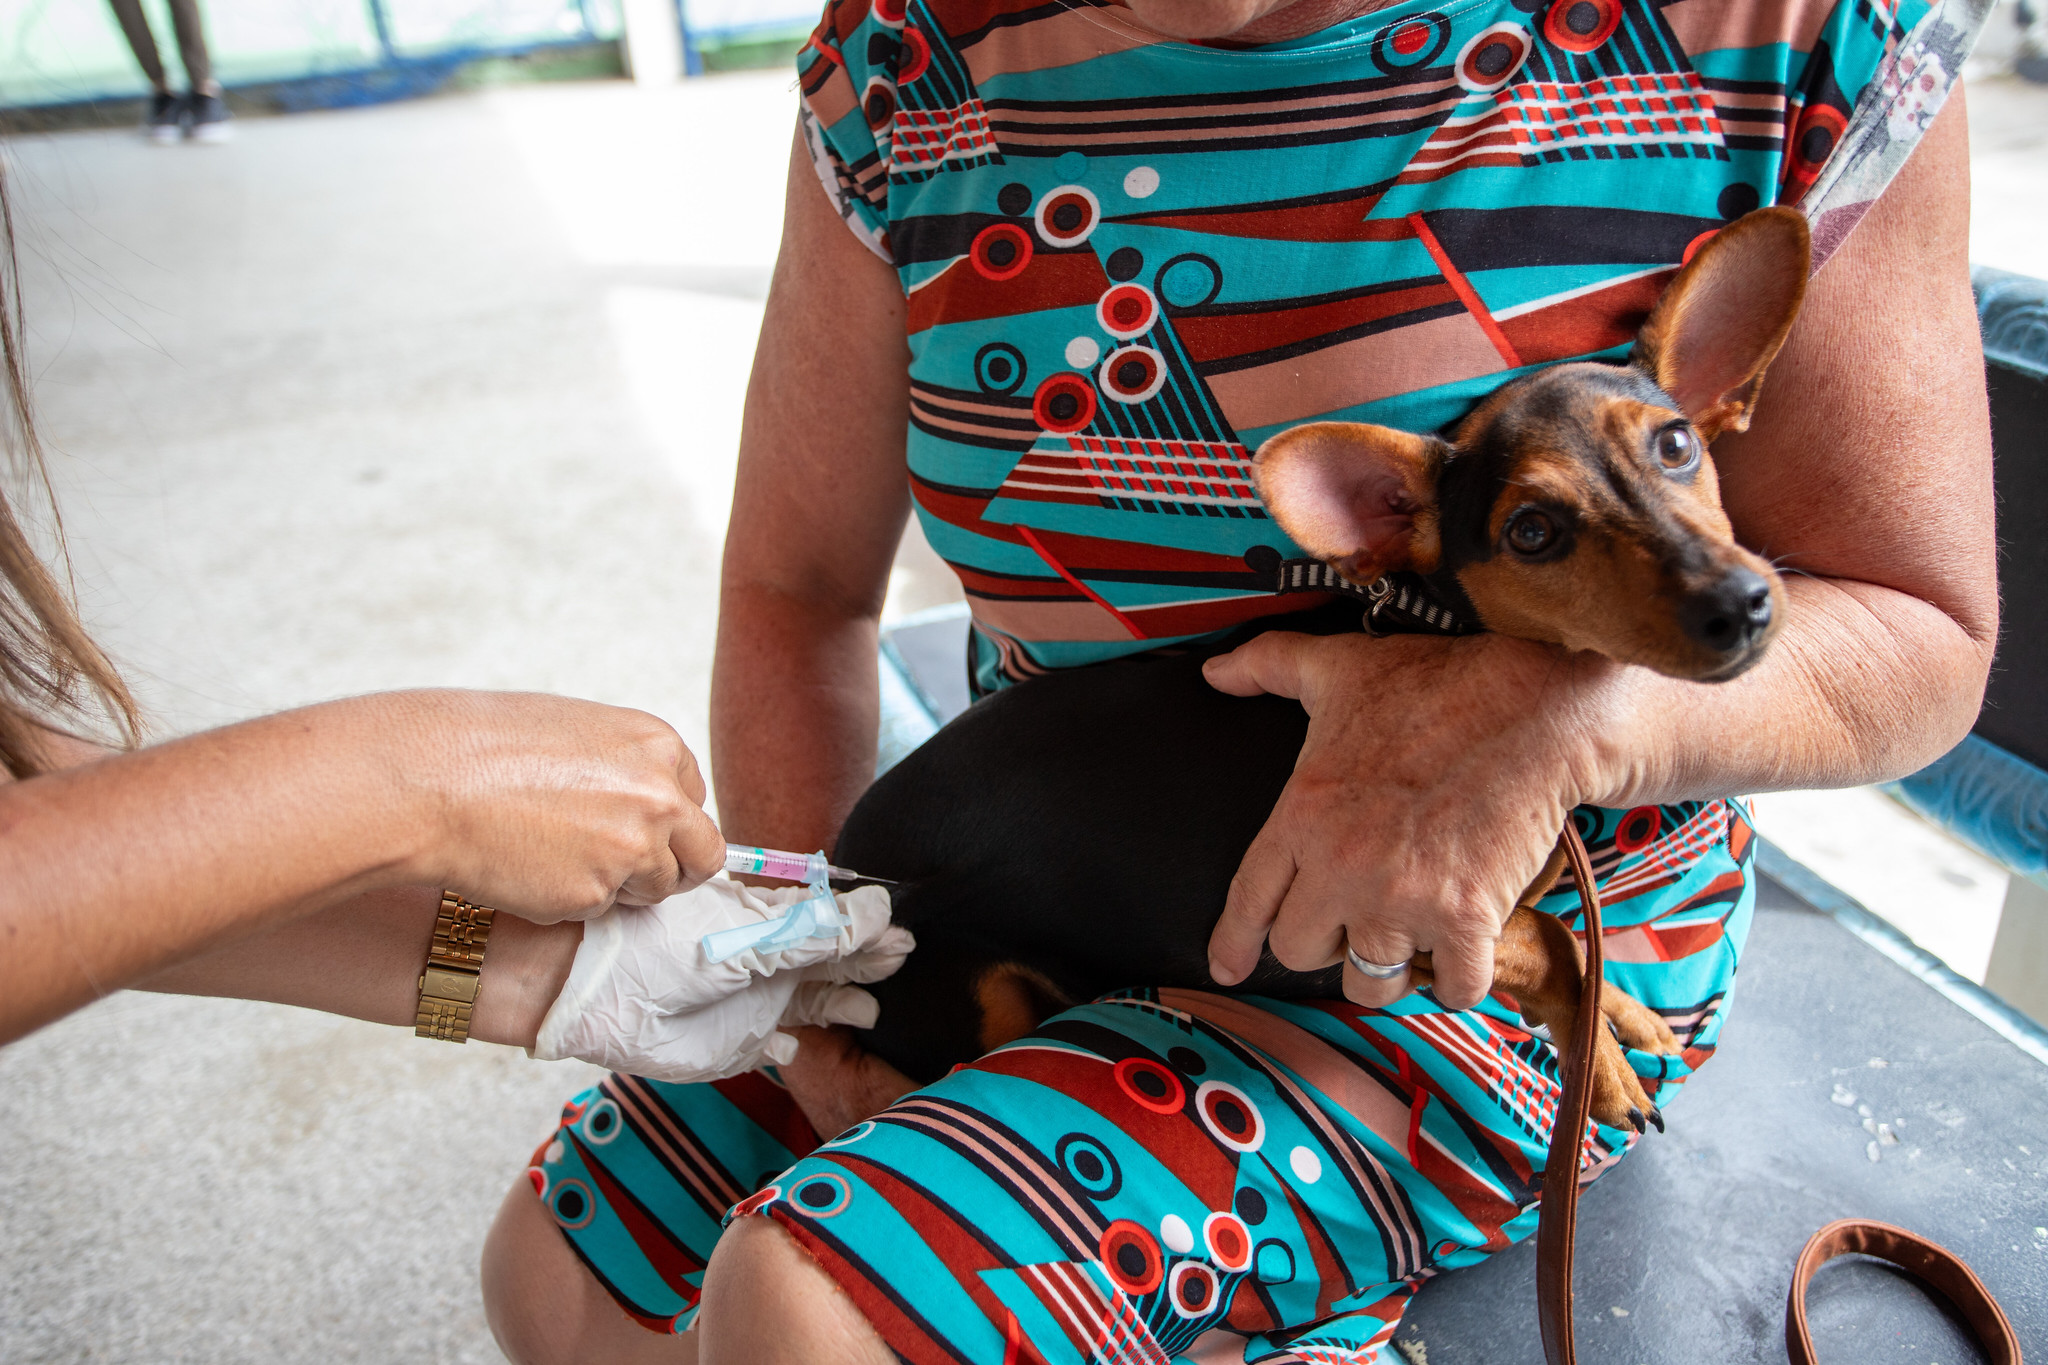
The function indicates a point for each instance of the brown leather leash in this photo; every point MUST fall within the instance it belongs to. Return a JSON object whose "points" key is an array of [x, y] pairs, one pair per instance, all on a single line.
{"points": [[1935, 1266]]}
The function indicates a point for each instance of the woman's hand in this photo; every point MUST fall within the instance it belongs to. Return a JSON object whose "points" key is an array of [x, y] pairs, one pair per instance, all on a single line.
{"points": [[544, 807], [549, 809], [647, 997], [1431, 788]]}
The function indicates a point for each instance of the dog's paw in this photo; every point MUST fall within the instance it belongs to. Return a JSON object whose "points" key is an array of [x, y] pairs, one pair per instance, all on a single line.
{"points": [[1619, 1100], [1636, 1024]]}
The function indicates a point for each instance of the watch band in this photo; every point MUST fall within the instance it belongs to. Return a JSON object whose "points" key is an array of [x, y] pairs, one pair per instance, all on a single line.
{"points": [[455, 964]]}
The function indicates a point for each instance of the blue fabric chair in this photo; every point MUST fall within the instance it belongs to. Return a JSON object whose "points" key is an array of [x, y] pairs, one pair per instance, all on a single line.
{"points": [[1992, 789]]}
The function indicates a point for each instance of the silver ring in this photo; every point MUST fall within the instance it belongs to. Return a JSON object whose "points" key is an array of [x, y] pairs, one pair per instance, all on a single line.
{"points": [[1379, 971]]}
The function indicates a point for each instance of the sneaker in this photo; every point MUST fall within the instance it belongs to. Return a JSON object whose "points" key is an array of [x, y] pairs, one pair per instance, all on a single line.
{"points": [[207, 119], [165, 121]]}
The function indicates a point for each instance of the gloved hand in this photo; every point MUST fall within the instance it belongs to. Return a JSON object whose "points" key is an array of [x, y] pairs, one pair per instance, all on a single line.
{"points": [[642, 997]]}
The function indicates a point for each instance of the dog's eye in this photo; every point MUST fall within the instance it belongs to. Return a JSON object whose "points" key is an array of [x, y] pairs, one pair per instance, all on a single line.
{"points": [[1677, 448], [1531, 533]]}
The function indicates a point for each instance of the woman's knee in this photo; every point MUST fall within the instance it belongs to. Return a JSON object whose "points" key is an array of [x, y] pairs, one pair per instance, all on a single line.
{"points": [[543, 1304], [766, 1300]]}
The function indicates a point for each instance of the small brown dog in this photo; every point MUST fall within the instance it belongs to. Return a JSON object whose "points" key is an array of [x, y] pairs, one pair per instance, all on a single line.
{"points": [[1579, 506], [1032, 852]]}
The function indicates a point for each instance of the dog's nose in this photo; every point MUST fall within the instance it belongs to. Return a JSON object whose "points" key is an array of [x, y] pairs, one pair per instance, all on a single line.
{"points": [[1731, 614]]}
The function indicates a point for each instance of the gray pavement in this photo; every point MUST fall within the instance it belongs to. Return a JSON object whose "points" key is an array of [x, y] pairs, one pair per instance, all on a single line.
{"points": [[439, 393]]}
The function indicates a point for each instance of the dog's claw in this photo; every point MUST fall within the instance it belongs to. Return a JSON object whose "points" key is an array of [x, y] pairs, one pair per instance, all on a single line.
{"points": [[1657, 1117], [1635, 1119]]}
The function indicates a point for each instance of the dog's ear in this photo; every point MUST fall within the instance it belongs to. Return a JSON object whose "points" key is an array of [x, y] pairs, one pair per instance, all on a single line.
{"points": [[1721, 322], [1360, 498]]}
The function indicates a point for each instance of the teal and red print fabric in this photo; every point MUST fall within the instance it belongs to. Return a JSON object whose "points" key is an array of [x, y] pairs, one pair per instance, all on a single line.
{"points": [[1166, 1175], [1129, 261], [1181, 1176]]}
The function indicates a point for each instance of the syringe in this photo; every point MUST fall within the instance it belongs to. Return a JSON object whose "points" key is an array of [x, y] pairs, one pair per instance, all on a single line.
{"points": [[774, 862]]}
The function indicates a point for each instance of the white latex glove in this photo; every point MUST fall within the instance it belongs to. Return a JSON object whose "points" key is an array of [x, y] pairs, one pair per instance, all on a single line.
{"points": [[642, 998]]}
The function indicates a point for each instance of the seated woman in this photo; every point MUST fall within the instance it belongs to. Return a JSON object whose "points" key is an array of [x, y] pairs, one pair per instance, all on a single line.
{"points": [[1126, 244]]}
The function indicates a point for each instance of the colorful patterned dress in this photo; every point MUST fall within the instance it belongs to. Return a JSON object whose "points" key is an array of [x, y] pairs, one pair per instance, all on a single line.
{"points": [[1129, 261]]}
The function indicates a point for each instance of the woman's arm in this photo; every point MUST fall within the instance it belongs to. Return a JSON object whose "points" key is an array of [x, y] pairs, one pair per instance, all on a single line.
{"points": [[1437, 773], [62, 749], [547, 808], [363, 958], [818, 508], [1866, 476]]}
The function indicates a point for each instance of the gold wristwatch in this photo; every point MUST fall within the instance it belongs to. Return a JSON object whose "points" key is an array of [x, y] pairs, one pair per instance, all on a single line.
{"points": [[455, 963]]}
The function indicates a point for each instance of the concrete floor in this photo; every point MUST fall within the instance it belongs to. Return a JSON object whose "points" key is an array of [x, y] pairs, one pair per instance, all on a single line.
{"points": [[439, 393]]}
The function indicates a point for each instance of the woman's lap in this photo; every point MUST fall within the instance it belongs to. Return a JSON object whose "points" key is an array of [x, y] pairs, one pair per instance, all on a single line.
{"points": [[1160, 1164]]}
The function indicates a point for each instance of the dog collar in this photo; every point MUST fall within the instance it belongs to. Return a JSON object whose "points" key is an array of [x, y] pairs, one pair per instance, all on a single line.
{"points": [[1396, 603]]}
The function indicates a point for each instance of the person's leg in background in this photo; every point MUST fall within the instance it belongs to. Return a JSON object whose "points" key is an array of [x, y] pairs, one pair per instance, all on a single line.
{"points": [[207, 114], [163, 123]]}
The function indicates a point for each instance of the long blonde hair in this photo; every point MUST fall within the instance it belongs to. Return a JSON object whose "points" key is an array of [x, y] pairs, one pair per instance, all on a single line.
{"points": [[51, 672]]}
